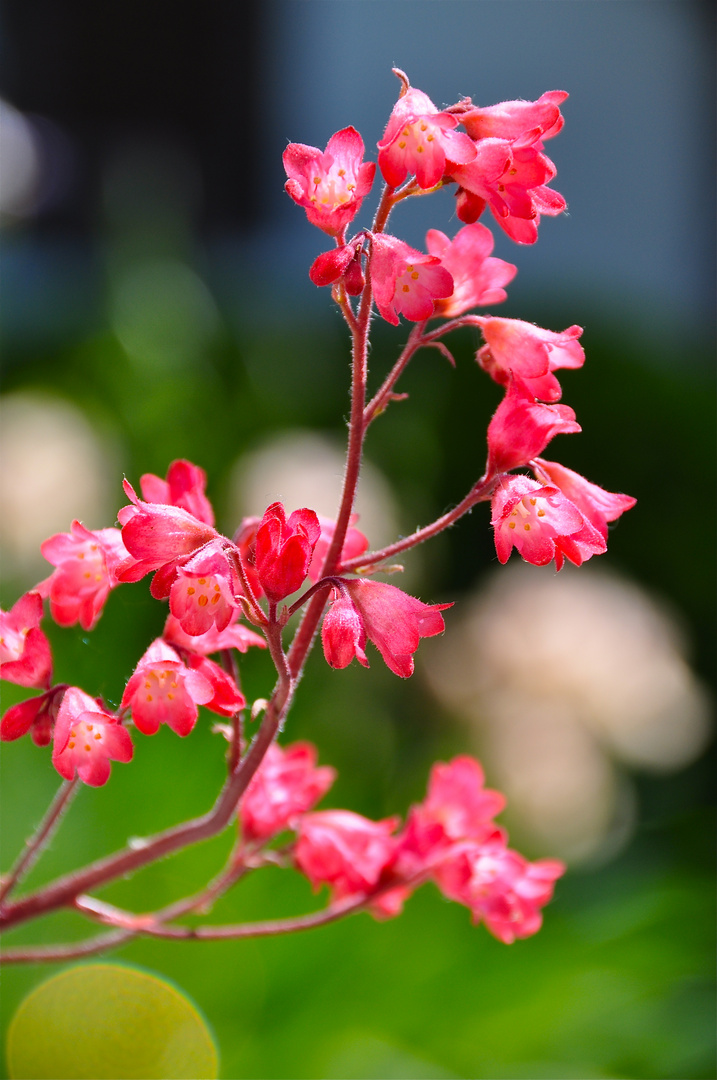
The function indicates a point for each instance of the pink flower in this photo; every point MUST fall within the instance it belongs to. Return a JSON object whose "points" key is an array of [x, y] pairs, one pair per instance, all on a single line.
{"points": [[286, 784], [521, 428], [25, 656], [183, 487], [163, 691], [517, 119], [405, 281], [478, 279], [227, 699], [87, 565], [595, 504], [529, 353], [343, 850], [203, 594], [37, 715], [418, 140], [342, 263], [87, 738], [156, 535], [542, 524], [234, 636], [394, 621], [283, 549], [330, 185], [355, 543]]}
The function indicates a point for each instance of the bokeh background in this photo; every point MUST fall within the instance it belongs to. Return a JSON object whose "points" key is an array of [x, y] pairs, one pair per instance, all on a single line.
{"points": [[157, 305]]}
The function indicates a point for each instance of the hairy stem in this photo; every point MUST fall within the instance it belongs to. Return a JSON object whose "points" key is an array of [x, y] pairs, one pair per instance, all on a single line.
{"points": [[35, 844]]}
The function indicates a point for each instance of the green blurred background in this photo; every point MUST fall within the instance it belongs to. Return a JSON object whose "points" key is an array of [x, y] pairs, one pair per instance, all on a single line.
{"points": [[157, 306]]}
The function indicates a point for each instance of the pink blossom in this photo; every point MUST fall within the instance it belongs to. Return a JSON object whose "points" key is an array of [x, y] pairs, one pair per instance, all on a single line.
{"points": [[521, 428], [394, 621], [405, 281], [87, 568], [418, 140], [478, 279], [286, 784], [355, 543], [343, 850], [596, 504], [37, 715], [234, 636], [529, 353], [163, 691], [342, 263], [227, 699], [330, 185], [542, 524], [25, 656], [203, 594], [86, 738], [517, 119], [283, 549], [183, 487]]}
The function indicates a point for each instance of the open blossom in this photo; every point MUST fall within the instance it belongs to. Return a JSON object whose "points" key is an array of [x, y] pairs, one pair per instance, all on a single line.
{"points": [[36, 716], [478, 278], [234, 636], [390, 618], [529, 354], [521, 428], [25, 656], [163, 691], [227, 699], [517, 119], [203, 593], [542, 524], [283, 549], [87, 738], [406, 282], [330, 185], [344, 850], [596, 504], [286, 784], [419, 139], [87, 567], [183, 487]]}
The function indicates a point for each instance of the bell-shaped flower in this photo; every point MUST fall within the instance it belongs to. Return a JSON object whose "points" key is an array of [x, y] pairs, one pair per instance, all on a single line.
{"points": [[390, 618], [596, 504], [355, 543], [283, 549], [515, 120], [87, 738], [25, 656], [183, 487], [227, 698], [163, 691], [287, 784], [406, 282], [528, 353], [203, 594], [521, 428], [37, 716], [542, 524], [478, 278], [419, 140], [330, 185], [234, 636], [87, 569], [343, 850], [340, 264]]}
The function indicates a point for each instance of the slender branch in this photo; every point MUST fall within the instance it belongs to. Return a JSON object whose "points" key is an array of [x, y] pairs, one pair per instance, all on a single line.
{"points": [[35, 844], [44, 954]]}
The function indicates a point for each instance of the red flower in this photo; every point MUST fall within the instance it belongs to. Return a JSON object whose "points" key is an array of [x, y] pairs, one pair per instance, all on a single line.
{"points": [[234, 636], [529, 353], [37, 715], [517, 119], [355, 543], [329, 185], [25, 656], [478, 279], [340, 263], [183, 487], [203, 593], [227, 699], [283, 549], [163, 691], [521, 428], [596, 504], [405, 281], [394, 621], [286, 784], [419, 139], [86, 738], [87, 566], [343, 850]]}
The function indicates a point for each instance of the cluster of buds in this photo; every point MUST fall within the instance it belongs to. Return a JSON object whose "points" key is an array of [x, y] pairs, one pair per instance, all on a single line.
{"points": [[216, 585]]}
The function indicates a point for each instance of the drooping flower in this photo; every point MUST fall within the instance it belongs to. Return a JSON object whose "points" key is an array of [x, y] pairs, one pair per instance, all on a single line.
{"points": [[87, 738], [286, 785], [342, 263], [183, 487], [330, 185], [390, 618], [37, 716], [542, 524], [516, 119], [283, 549], [420, 140], [25, 656], [405, 281], [596, 504], [521, 428], [87, 569], [344, 850], [529, 354], [163, 691], [227, 699], [478, 278], [234, 636], [203, 593]]}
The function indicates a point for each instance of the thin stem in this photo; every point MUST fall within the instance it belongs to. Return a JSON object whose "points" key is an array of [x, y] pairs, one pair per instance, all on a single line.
{"points": [[45, 954], [35, 844]]}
